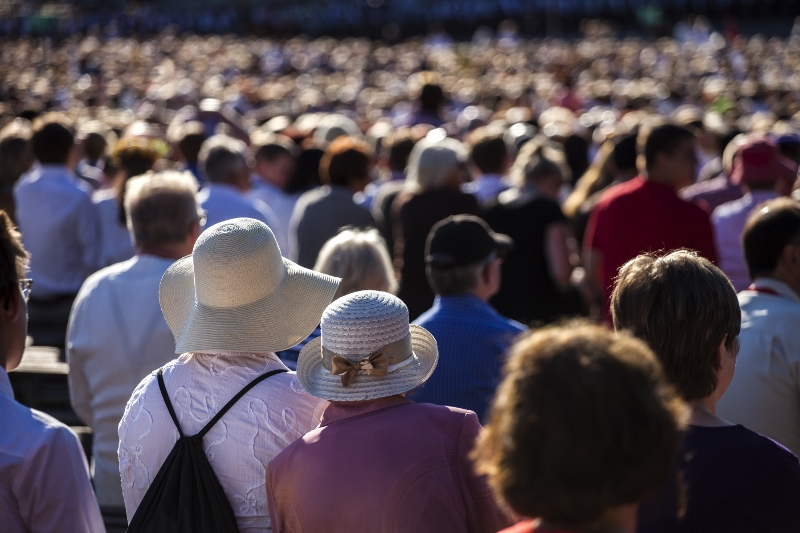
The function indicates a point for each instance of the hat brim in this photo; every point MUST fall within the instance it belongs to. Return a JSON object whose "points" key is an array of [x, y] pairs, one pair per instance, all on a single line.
{"points": [[503, 244], [276, 322], [319, 382]]}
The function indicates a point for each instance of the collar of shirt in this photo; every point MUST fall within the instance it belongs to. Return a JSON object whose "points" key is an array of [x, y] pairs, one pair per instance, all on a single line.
{"points": [[337, 190], [228, 353], [57, 173], [341, 410], [5, 384], [661, 189], [221, 189], [466, 301], [779, 287]]}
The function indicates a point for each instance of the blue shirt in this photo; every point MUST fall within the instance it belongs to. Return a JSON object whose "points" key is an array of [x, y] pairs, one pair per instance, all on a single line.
{"points": [[473, 339]]}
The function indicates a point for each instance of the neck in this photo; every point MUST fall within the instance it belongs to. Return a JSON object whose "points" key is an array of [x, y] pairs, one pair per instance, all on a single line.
{"points": [[166, 251], [620, 519], [704, 413], [780, 274], [655, 178]]}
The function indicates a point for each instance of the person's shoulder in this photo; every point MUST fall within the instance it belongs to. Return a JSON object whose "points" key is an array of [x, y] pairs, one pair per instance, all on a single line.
{"points": [[40, 428], [750, 444], [620, 192]]}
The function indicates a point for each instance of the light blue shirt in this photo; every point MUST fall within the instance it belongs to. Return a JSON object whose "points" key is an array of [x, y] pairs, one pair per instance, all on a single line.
{"points": [[223, 202], [116, 241], [485, 188], [281, 204], [44, 477], [60, 229]]}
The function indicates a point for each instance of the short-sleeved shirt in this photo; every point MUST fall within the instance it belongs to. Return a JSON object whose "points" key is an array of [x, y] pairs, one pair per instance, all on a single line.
{"points": [[734, 480], [641, 216]]}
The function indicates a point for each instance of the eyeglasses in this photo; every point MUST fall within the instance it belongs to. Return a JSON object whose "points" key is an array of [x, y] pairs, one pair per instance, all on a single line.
{"points": [[202, 217], [25, 286]]}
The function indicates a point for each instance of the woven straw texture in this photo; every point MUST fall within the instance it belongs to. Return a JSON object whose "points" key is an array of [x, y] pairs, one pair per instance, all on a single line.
{"points": [[236, 293], [354, 326]]}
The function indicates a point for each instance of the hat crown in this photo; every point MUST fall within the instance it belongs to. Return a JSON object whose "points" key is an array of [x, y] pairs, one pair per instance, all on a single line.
{"points": [[236, 262], [359, 323]]}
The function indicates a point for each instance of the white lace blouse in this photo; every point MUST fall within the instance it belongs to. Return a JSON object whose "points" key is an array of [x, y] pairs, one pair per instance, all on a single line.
{"points": [[261, 424]]}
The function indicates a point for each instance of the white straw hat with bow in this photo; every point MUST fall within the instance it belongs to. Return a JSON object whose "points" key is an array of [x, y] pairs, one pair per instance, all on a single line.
{"points": [[367, 350], [236, 293]]}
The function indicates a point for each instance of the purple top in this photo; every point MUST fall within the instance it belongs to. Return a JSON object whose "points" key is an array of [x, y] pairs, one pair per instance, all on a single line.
{"points": [[712, 193], [734, 480], [386, 465]]}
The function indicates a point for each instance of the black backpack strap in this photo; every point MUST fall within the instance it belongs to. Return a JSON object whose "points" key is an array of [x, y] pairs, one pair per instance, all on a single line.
{"points": [[166, 400], [235, 399]]}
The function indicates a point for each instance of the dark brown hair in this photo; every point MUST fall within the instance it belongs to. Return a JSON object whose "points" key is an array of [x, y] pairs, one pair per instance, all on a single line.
{"points": [[346, 160], [771, 226], [583, 421], [53, 139], [487, 150], [663, 139], [13, 257], [397, 147], [684, 308]]}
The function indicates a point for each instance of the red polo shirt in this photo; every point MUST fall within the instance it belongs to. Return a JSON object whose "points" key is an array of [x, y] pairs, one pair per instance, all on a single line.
{"points": [[644, 216]]}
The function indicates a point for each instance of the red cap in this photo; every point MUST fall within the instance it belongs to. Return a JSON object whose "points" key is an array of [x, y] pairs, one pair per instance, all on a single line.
{"points": [[759, 162]]}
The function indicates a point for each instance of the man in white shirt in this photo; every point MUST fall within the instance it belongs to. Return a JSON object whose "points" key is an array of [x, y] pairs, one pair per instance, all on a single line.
{"points": [[223, 162], [44, 478], [276, 159], [764, 174], [765, 392], [117, 334], [489, 162], [230, 305], [60, 227]]}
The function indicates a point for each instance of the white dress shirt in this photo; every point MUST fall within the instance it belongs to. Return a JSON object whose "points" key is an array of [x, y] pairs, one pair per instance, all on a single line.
{"points": [[116, 337], [281, 204], [764, 395], [239, 447], [223, 202], [44, 478], [485, 188], [729, 220], [116, 244], [59, 228]]}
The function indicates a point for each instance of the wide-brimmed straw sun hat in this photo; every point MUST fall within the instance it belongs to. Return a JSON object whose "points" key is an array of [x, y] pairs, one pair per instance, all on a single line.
{"points": [[236, 293], [367, 350]]}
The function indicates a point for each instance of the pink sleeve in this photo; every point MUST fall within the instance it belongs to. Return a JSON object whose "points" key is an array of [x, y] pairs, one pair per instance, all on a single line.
{"points": [[483, 513]]}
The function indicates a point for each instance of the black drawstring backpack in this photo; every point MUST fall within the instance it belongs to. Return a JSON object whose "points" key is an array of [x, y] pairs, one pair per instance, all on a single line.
{"points": [[186, 495]]}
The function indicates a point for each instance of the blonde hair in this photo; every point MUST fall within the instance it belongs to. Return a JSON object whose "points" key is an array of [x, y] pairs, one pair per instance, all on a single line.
{"points": [[360, 258]]}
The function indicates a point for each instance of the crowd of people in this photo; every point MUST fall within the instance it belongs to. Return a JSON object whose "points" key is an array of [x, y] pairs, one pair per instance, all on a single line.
{"points": [[319, 267]]}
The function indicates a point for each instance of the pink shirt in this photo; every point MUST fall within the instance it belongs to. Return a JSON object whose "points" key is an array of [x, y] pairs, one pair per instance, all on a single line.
{"points": [[386, 465]]}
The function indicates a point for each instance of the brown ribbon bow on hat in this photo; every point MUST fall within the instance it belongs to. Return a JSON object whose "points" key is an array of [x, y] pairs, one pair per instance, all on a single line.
{"points": [[375, 364]]}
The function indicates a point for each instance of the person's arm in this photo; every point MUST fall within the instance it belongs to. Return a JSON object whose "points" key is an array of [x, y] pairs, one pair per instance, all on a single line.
{"points": [[483, 513], [558, 254], [77, 340], [274, 516], [54, 492], [89, 238]]}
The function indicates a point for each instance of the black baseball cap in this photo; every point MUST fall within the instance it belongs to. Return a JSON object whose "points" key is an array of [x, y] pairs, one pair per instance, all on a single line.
{"points": [[463, 240]]}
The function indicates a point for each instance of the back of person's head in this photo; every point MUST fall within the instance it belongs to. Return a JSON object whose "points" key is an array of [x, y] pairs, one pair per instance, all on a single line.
{"points": [[664, 139], [53, 139], [537, 159], [431, 97], [13, 257], [16, 156], [97, 138], [582, 423], [624, 153], [770, 228], [346, 161], [397, 146], [135, 155], [360, 258], [192, 136], [272, 146], [487, 150], [221, 157], [161, 208], [684, 307], [431, 163]]}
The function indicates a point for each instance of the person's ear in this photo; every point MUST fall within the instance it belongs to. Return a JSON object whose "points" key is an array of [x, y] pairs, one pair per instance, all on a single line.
{"points": [[12, 305]]}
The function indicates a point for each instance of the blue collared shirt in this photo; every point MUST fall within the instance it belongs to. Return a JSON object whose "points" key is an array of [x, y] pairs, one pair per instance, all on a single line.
{"points": [[473, 339]]}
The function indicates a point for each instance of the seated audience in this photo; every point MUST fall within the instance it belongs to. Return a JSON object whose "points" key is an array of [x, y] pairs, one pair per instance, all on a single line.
{"points": [[463, 257], [230, 306], [763, 173], [583, 427], [44, 478], [408, 463], [131, 157], [433, 192], [537, 273], [360, 259], [646, 214], [765, 392], [60, 227], [731, 478], [320, 213], [223, 162], [117, 334]]}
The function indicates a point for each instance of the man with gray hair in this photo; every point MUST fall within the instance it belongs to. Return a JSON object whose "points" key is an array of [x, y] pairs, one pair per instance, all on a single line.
{"points": [[117, 334], [463, 257], [223, 161]]}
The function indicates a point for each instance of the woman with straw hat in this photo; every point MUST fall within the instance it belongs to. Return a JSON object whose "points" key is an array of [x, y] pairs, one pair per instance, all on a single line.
{"points": [[230, 305], [378, 461]]}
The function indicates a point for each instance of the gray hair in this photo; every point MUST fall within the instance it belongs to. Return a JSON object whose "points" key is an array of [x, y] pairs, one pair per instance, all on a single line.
{"points": [[360, 258], [220, 156], [161, 207], [430, 163], [457, 280]]}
